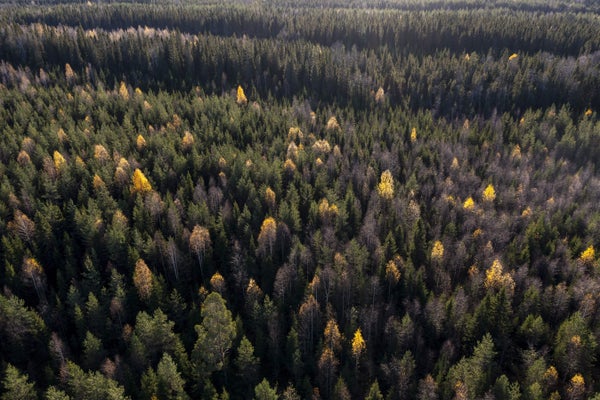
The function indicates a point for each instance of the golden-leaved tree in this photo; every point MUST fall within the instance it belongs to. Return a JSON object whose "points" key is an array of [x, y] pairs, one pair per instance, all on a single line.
{"points": [[241, 96], [267, 235], [140, 182], [142, 279], [385, 188]]}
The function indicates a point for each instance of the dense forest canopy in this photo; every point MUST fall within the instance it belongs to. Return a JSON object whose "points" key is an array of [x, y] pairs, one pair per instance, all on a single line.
{"points": [[300, 200]]}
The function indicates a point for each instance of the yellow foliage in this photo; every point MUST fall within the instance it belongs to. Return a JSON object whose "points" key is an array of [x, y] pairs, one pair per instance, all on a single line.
{"points": [[588, 255], [454, 164], [322, 146], [489, 193], [123, 91], [380, 95], [100, 153], [551, 375], [358, 345], [62, 136], [140, 142], [199, 240], [513, 56], [437, 252], [268, 234], [69, 74], [327, 211], [59, 160], [140, 182], [217, 283], [289, 166], [270, 197], [123, 163], [332, 335], [386, 185], [241, 97], [588, 112], [222, 162], [496, 278], [142, 279], [332, 124], [469, 204], [392, 274], [23, 158], [295, 133], [98, 183], [577, 380], [413, 135], [187, 141], [576, 340], [516, 153]]}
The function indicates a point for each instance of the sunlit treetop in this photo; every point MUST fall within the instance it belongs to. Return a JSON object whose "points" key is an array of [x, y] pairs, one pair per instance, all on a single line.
{"points": [[489, 193], [413, 135], [240, 96], [588, 255], [385, 188], [59, 160], [140, 182], [469, 204]]}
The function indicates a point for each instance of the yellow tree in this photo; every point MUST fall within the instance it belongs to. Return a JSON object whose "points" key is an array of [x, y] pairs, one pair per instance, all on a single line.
{"points": [[392, 274], [217, 283], [33, 271], [576, 388], [332, 124], [270, 198], [241, 97], [358, 346], [142, 279], [437, 252], [267, 235], [469, 204], [69, 74], [199, 243], [187, 141], [100, 153], [123, 91], [489, 193], [386, 185], [332, 336], [140, 182], [380, 95], [496, 278], [140, 142], [588, 255], [59, 161]]}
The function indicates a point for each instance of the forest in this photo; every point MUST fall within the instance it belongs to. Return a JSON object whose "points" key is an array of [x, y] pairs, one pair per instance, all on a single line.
{"points": [[396, 199]]}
